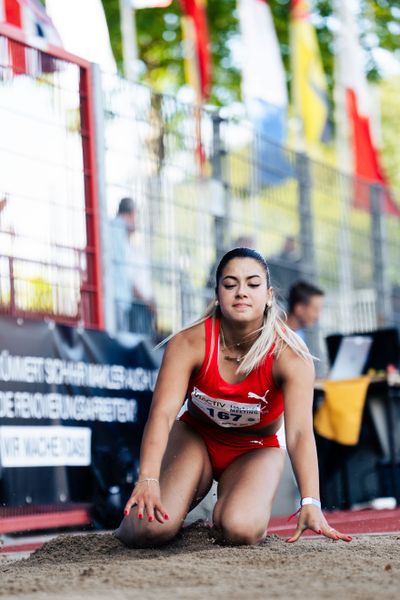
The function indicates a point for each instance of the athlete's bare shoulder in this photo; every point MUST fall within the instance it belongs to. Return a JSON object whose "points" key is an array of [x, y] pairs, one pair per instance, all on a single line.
{"points": [[189, 343], [290, 364]]}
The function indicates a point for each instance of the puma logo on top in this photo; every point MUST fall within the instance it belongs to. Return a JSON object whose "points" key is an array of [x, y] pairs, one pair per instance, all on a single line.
{"points": [[264, 402]]}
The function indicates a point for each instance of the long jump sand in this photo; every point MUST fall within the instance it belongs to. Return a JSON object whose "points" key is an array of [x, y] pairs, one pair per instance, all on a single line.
{"points": [[194, 566]]}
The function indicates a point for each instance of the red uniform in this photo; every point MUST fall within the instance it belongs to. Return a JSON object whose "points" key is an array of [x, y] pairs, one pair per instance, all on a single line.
{"points": [[216, 407]]}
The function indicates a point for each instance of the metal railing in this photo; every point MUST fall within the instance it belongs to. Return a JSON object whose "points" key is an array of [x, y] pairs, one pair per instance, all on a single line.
{"points": [[48, 230]]}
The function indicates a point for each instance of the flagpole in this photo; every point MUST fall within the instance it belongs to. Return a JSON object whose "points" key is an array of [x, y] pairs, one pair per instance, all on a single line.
{"points": [[344, 160], [299, 137], [129, 39]]}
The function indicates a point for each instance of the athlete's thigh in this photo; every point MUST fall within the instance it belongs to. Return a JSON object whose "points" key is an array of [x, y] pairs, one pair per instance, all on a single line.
{"points": [[248, 486], [186, 472], [185, 478]]}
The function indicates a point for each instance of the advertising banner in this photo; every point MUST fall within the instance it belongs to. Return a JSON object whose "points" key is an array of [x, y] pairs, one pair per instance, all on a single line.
{"points": [[73, 405]]}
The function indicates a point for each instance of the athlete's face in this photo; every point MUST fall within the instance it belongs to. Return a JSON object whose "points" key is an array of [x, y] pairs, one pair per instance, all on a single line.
{"points": [[242, 290]]}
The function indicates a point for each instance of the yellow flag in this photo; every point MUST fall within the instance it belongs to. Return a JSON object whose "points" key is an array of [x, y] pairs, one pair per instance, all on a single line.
{"points": [[309, 87], [339, 417]]}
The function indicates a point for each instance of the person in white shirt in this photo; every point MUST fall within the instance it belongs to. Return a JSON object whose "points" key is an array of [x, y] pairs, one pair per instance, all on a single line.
{"points": [[134, 304]]}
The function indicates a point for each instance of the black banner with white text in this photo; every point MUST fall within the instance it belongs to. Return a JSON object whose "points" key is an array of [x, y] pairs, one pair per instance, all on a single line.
{"points": [[73, 404]]}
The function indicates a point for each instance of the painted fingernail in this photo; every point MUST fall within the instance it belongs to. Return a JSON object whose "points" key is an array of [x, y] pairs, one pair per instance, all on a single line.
{"points": [[150, 518], [126, 512], [140, 516], [166, 517], [337, 537], [319, 532]]}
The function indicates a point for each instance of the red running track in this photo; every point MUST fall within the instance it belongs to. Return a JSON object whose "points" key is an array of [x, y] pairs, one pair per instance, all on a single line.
{"points": [[351, 522]]}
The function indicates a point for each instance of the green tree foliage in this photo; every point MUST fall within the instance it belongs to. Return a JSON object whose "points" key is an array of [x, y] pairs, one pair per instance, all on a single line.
{"points": [[159, 37], [160, 40]]}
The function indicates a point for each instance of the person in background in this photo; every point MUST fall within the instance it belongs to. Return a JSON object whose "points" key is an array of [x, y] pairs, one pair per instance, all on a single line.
{"points": [[305, 302], [288, 252], [285, 267], [3, 203], [134, 304]]}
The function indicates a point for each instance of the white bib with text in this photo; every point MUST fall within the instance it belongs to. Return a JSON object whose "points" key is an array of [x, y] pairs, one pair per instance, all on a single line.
{"points": [[225, 412]]}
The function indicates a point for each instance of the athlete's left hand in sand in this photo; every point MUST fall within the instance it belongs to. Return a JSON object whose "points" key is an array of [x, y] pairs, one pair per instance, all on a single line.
{"points": [[311, 517]]}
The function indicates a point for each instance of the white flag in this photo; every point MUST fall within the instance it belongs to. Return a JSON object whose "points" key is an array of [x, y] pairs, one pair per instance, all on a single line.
{"points": [[150, 3], [264, 89], [83, 29], [263, 73]]}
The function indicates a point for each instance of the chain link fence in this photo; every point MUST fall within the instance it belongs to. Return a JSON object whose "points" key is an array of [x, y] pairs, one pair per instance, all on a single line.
{"points": [[203, 184]]}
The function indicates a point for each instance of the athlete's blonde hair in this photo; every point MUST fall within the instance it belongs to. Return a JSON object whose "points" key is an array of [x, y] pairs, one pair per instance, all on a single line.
{"points": [[275, 333]]}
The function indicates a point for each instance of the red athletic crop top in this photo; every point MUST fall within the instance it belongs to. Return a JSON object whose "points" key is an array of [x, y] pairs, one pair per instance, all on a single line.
{"points": [[254, 402]]}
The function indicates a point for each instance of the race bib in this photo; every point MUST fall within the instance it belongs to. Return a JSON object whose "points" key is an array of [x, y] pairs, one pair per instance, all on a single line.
{"points": [[226, 413]]}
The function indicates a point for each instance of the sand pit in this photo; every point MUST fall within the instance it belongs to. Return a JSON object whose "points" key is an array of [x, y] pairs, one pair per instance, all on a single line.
{"points": [[194, 566]]}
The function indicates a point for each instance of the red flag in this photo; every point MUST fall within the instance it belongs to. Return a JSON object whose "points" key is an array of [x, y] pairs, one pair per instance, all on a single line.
{"points": [[195, 11], [12, 15], [31, 18], [366, 161], [366, 157]]}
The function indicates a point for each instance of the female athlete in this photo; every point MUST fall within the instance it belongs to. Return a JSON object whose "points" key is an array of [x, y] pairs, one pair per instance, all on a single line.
{"points": [[248, 381]]}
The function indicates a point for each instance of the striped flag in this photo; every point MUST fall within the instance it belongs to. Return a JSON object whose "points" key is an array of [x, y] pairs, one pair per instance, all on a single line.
{"points": [[37, 27], [309, 86], [264, 89], [351, 78], [31, 17], [196, 40]]}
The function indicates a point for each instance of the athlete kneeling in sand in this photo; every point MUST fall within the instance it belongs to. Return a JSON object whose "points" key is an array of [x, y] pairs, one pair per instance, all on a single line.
{"points": [[248, 380]]}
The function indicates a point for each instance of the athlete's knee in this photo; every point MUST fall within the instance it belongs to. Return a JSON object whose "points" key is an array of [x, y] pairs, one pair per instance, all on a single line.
{"points": [[145, 535], [240, 529]]}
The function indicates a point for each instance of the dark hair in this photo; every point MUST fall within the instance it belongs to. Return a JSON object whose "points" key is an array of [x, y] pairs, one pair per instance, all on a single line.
{"points": [[274, 332], [126, 206], [241, 253], [301, 293]]}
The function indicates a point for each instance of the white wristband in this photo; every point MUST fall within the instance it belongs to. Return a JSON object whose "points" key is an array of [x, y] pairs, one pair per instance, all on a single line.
{"points": [[309, 500]]}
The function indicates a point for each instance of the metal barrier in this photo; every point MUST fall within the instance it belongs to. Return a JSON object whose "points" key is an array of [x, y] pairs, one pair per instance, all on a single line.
{"points": [[49, 241]]}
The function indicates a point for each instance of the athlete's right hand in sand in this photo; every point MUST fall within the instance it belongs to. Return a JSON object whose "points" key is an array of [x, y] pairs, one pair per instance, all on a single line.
{"points": [[311, 517], [146, 496]]}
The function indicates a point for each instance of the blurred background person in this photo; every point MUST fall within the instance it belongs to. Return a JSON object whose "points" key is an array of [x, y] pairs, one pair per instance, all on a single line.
{"points": [[305, 302], [133, 294], [285, 267]]}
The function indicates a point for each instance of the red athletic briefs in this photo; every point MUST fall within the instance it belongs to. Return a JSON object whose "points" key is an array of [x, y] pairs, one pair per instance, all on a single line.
{"points": [[224, 446], [248, 405]]}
